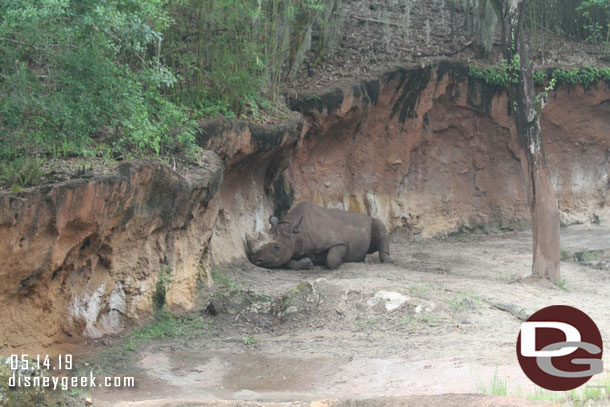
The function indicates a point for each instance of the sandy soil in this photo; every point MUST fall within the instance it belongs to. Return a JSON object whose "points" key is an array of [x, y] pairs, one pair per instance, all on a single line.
{"points": [[282, 335]]}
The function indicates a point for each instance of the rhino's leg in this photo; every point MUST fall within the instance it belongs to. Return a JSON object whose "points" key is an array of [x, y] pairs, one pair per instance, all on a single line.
{"points": [[302, 264], [335, 256], [379, 241]]}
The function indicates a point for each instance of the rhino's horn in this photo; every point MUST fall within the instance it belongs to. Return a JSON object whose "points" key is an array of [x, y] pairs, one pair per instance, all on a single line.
{"points": [[249, 243]]}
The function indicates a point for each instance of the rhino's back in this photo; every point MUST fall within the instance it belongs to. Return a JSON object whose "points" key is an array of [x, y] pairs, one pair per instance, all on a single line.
{"points": [[323, 228]]}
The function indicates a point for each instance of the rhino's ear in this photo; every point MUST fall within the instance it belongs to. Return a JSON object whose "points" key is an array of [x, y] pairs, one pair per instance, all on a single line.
{"points": [[295, 227], [273, 220]]}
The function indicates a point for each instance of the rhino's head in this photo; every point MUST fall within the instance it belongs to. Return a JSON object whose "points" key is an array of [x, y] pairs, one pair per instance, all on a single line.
{"points": [[275, 248]]}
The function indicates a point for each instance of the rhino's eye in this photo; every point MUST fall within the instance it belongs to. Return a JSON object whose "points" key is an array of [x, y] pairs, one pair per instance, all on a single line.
{"points": [[276, 247]]}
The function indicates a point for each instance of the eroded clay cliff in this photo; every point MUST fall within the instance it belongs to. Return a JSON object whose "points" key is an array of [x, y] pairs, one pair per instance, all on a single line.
{"points": [[426, 149], [81, 258]]}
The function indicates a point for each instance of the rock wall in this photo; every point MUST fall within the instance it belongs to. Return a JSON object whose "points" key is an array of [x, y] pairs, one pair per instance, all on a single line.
{"points": [[256, 157], [426, 149], [81, 258], [432, 152]]}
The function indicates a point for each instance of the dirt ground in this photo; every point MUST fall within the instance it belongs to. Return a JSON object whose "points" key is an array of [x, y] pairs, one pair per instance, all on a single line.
{"points": [[448, 324]]}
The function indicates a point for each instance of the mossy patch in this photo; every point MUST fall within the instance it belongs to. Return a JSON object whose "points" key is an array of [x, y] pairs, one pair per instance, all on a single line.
{"points": [[163, 285]]}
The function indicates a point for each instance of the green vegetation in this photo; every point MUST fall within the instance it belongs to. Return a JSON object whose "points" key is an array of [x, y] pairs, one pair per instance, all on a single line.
{"points": [[232, 55], [223, 281], [130, 78], [77, 74], [499, 76], [497, 387], [421, 290], [560, 16], [166, 325], [540, 394], [596, 389], [493, 75], [406, 320], [363, 323], [164, 282], [585, 20], [428, 319], [409, 320], [596, 20], [21, 172], [463, 302], [586, 255], [249, 340], [567, 255]]}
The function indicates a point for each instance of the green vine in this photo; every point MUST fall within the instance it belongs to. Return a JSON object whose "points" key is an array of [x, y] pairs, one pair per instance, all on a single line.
{"points": [[544, 96], [540, 78], [514, 68], [492, 75], [499, 76]]}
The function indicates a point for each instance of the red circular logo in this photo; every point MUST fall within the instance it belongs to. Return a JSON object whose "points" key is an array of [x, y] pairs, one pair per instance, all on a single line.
{"points": [[559, 348]]}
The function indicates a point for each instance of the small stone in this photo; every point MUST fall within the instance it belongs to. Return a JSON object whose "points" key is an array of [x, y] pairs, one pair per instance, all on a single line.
{"points": [[390, 300], [88, 401], [327, 184]]}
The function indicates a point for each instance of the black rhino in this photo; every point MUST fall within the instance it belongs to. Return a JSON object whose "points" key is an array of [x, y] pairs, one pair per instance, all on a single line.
{"points": [[309, 235]]}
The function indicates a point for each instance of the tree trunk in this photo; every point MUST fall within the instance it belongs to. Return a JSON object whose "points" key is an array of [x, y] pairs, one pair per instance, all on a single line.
{"points": [[526, 108]]}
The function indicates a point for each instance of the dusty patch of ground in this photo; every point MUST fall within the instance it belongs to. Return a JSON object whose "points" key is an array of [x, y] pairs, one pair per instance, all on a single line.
{"points": [[282, 335]]}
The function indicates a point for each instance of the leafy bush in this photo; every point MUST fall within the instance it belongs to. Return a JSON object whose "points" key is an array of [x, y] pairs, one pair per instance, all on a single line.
{"points": [[233, 54], [131, 77], [21, 172], [596, 16], [74, 74], [499, 76]]}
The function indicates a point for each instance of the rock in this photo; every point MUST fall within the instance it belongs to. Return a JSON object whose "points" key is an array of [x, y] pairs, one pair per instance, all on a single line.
{"points": [[390, 300]]}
